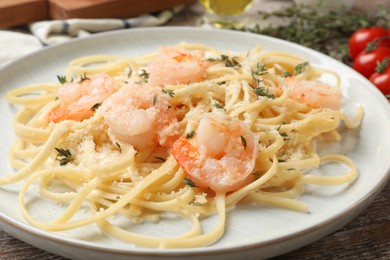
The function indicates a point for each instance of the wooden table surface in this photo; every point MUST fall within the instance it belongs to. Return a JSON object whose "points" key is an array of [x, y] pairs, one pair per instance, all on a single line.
{"points": [[365, 237]]}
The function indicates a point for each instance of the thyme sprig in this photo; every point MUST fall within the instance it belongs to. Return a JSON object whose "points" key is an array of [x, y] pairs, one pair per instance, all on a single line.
{"points": [[327, 32], [229, 62], [263, 92], [260, 70]]}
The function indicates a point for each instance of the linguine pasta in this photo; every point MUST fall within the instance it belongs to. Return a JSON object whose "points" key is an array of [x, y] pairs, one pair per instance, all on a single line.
{"points": [[140, 176]]}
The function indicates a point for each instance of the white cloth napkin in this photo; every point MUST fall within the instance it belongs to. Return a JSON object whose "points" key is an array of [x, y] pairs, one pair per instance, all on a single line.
{"points": [[15, 44], [52, 32]]}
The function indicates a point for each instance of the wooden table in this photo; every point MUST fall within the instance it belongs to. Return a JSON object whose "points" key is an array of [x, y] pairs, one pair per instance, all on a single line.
{"points": [[365, 237]]}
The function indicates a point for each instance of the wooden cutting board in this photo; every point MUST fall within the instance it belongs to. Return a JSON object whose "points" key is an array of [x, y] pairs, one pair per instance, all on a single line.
{"points": [[19, 12]]}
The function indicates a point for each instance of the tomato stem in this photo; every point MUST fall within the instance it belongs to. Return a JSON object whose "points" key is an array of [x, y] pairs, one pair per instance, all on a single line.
{"points": [[381, 66], [371, 46]]}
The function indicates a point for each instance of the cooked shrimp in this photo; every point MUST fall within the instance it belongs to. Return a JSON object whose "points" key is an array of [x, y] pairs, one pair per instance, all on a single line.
{"points": [[177, 66], [314, 94], [141, 115], [222, 154], [77, 99]]}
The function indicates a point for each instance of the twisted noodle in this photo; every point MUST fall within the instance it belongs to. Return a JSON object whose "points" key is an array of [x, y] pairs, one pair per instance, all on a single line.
{"points": [[115, 179]]}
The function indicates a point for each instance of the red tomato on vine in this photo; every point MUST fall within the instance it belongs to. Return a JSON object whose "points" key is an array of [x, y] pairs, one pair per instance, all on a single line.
{"points": [[366, 62], [381, 78], [360, 38]]}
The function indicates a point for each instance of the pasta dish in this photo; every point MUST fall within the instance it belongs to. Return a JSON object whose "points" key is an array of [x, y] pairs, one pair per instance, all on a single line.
{"points": [[187, 131]]}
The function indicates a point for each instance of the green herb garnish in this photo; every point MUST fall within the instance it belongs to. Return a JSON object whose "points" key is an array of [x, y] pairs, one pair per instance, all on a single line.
{"points": [[96, 106], [262, 91], [190, 134], [83, 77], [144, 75], [189, 182], [160, 158], [154, 100], [260, 70], [243, 140], [61, 79], [300, 68], [327, 32], [118, 146], [229, 62], [168, 91], [64, 156], [217, 105]]}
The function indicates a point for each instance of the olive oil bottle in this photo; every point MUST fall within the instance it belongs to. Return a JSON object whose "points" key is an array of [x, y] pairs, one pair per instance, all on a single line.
{"points": [[225, 13], [226, 7]]}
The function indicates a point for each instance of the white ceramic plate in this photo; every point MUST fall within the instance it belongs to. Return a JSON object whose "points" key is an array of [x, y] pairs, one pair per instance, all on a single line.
{"points": [[252, 231]]}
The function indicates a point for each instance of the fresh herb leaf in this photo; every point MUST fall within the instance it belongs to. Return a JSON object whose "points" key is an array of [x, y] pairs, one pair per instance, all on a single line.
{"points": [[154, 100], [189, 182], [300, 68], [118, 146], [229, 62], [61, 79], [243, 140], [144, 74], [160, 158], [96, 106], [217, 105], [191, 134], [130, 72], [327, 32], [260, 70], [64, 156], [170, 92], [262, 91], [83, 77]]}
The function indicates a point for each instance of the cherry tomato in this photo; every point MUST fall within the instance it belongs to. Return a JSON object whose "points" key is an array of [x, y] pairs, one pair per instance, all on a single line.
{"points": [[360, 38], [382, 81], [365, 63]]}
